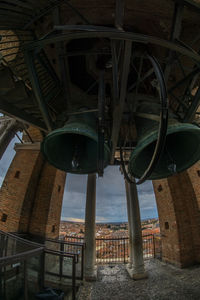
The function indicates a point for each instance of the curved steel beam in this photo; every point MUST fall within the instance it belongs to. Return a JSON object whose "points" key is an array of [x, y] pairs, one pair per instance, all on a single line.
{"points": [[106, 32]]}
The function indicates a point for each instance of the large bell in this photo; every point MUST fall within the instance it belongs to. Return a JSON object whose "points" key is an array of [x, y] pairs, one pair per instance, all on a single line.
{"points": [[182, 148], [74, 147]]}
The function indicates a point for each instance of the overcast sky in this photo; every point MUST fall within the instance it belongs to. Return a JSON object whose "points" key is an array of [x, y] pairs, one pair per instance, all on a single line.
{"points": [[111, 197]]}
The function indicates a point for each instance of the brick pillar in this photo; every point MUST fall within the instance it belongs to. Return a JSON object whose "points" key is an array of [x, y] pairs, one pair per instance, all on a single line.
{"points": [[178, 201], [45, 218], [32, 192], [18, 190]]}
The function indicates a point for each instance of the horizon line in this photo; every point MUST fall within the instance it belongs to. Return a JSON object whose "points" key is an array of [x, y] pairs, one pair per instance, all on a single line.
{"points": [[107, 222]]}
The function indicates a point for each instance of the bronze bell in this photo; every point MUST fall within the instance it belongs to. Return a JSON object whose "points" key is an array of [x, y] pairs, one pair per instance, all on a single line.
{"points": [[74, 147], [181, 151]]}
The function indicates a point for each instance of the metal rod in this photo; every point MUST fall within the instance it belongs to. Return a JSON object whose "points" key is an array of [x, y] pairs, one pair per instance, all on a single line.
{"points": [[25, 281], [61, 260], [76, 11], [82, 261], [185, 79], [101, 129], [148, 73], [73, 280], [193, 107], [42, 271], [36, 87], [124, 252], [119, 14], [26, 131], [115, 72], [117, 114], [154, 249], [19, 138], [175, 34], [106, 32], [63, 62]]}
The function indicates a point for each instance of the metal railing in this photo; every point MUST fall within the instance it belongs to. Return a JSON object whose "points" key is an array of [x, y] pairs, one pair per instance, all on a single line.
{"points": [[70, 248], [24, 266], [157, 246], [21, 267], [55, 258], [116, 250]]}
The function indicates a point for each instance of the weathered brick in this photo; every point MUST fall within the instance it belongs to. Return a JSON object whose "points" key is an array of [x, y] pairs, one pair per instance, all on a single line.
{"points": [[31, 194], [178, 200], [18, 190], [45, 217]]}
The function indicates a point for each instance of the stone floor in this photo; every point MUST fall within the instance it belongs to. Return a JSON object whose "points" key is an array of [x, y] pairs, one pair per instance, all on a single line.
{"points": [[165, 282]]}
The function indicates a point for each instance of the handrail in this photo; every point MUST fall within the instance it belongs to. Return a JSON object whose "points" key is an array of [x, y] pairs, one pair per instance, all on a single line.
{"points": [[78, 238], [63, 254], [25, 241], [40, 250], [65, 242], [81, 245], [120, 238], [73, 277], [60, 253], [113, 239], [8, 260]]}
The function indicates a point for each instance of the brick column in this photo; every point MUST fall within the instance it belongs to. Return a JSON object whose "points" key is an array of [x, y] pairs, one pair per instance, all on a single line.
{"points": [[18, 190], [32, 192], [45, 217], [178, 201]]}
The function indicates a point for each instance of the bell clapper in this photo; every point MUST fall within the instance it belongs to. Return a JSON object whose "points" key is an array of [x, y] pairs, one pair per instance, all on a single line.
{"points": [[77, 154], [171, 167]]}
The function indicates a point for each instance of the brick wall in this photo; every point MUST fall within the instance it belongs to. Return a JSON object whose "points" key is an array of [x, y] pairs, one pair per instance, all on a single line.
{"points": [[178, 208], [17, 192], [34, 133], [31, 194], [45, 217]]}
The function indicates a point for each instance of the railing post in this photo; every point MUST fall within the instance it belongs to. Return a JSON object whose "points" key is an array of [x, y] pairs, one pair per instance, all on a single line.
{"points": [[124, 252], [82, 261], [61, 259], [42, 270], [154, 248], [73, 279], [25, 281]]}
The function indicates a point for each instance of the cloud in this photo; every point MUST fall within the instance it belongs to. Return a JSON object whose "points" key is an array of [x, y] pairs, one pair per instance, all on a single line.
{"points": [[101, 219], [73, 220], [111, 197]]}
